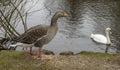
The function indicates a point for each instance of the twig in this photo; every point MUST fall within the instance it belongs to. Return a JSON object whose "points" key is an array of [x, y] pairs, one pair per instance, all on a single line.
{"points": [[25, 27]]}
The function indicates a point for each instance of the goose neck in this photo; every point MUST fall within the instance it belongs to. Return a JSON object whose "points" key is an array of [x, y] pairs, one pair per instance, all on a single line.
{"points": [[54, 20]]}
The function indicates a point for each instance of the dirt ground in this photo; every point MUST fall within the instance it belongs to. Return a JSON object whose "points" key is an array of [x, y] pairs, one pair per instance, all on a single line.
{"points": [[22, 60]]}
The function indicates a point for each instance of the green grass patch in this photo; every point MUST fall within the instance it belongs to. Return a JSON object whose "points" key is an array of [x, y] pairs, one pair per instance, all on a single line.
{"points": [[88, 53], [16, 60], [22, 60]]}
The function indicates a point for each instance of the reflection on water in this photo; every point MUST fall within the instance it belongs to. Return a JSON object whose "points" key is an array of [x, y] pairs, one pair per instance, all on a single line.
{"points": [[85, 17]]}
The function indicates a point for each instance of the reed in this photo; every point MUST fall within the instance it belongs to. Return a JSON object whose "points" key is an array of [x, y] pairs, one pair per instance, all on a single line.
{"points": [[11, 15]]}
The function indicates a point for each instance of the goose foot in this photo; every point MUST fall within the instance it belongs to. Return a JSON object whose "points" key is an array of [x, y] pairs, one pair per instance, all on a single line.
{"points": [[39, 56]]}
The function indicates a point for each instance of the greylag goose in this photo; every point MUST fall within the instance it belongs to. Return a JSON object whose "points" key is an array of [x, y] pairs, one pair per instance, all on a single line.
{"points": [[40, 35]]}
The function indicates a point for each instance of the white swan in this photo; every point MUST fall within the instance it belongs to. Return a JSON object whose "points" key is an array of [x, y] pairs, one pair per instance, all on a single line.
{"points": [[101, 38]]}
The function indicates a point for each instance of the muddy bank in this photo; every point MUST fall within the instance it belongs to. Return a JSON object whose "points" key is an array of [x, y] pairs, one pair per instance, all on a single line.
{"points": [[22, 60]]}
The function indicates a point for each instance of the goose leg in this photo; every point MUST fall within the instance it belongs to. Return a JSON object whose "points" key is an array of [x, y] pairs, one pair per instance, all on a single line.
{"points": [[40, 52], [23, 48], [31, 50]]}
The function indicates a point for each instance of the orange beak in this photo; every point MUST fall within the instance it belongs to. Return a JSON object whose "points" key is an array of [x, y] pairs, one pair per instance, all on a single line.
{"points": [[65, 14]]}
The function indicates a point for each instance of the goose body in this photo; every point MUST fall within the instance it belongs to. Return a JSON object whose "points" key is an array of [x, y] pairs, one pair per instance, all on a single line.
{"points": [[101, 38], [40, 35]]}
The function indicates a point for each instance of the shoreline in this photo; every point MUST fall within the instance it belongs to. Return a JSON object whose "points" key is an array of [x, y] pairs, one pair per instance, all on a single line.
{"points": [[22, 60]]}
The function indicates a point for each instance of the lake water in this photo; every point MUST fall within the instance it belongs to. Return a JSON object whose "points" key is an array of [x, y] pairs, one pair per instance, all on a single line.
{"points": [[85, 17]]}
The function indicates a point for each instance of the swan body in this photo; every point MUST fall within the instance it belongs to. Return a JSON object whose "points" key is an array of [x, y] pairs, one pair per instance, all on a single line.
{"points": [[101, 38]]}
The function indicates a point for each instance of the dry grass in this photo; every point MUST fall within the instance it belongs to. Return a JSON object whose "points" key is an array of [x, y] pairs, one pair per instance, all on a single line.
{"points": [[22, 60]]}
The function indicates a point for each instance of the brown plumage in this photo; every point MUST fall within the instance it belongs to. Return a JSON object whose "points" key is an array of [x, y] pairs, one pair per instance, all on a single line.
{"points": [[40, 35], [31, 35]]}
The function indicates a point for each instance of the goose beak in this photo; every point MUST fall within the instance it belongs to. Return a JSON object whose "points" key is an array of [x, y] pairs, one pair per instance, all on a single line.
{"points": [[65, 14]]}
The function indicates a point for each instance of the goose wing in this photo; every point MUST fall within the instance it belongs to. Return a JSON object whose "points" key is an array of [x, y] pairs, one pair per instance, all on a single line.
{"points": [[32, 34]]}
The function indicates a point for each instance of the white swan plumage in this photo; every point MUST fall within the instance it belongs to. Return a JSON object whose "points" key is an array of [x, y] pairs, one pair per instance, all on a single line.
{"points": [[101, 38]]}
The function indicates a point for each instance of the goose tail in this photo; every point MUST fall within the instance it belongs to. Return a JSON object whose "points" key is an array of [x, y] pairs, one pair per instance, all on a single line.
{"points": [[13, 45]]}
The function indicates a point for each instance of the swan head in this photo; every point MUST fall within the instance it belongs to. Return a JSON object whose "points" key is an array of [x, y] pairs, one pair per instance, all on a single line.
{"points": [[109, 30]]}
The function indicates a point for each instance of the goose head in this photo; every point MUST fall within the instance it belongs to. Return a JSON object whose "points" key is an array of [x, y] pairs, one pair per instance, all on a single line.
{"points": [[61, 14], [58, 15]]}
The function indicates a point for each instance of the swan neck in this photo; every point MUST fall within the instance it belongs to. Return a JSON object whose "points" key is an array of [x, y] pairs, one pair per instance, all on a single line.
{"points": [[108, 37]]}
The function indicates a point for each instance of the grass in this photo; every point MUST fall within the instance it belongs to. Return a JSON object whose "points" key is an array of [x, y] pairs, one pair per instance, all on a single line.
{"points": [[15, 60], [95, 54], [22, 60]]}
